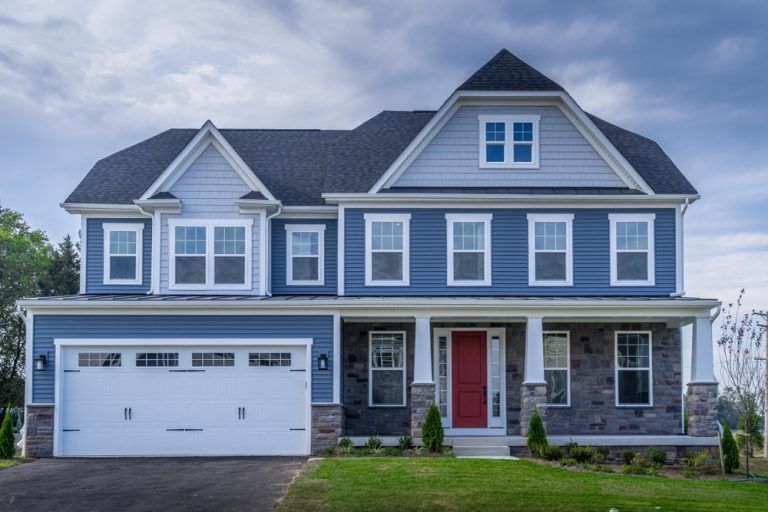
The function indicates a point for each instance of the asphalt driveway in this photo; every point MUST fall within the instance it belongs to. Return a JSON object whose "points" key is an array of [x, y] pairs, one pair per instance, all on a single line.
{"points": [[168, 484]]}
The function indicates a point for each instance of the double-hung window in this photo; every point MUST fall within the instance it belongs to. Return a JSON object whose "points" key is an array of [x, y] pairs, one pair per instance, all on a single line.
{"points": [[557, 371], [210, 254], [305, 254], [387, 369], [469, 249], [632, 249], [550, 249], [633, 368], [387, 249], [509, 141], [122, 253]]}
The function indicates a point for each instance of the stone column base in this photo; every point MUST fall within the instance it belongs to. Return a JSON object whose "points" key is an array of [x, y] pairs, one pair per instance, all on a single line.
{"points": [[701, 404], [534, 397], [38, 422], [422, 396], [327, 426]]}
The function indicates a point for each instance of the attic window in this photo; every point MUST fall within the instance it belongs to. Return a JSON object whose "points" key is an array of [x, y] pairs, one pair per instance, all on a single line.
{"points": [[509, 142]]}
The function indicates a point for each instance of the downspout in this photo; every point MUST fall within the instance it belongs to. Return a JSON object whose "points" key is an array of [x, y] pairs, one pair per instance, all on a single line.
{"points": [[155, 216], [268, 252], [683, 209]]}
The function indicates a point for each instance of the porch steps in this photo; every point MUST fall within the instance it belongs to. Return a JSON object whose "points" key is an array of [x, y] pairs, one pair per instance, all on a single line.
{"points": [[490, 447]]}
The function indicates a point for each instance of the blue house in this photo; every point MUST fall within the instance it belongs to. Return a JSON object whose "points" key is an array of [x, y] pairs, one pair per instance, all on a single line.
{"points": [[264, 292]]}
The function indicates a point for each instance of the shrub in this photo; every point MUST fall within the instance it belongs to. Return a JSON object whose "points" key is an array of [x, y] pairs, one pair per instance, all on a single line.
{"points": [[551, 452], [432, 432], [658, 456], [537, 437], [603, 451], [628, 456], [345, 443], [391, 451], [327, 452], [698, 462], [583, 454], [730, 451], [7, 440], [405, 442], [686, 473], [373, 443]]}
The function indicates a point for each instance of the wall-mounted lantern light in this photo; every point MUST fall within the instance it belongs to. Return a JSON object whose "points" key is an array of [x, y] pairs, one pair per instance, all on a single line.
{"points": [[40, 362], [322, 362]]}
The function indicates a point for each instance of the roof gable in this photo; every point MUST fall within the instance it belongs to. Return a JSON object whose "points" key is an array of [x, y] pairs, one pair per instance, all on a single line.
{"points": [[506, 72]]}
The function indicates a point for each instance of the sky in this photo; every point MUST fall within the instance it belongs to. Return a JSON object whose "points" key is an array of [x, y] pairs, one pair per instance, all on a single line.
{"points": [[80, 80]]}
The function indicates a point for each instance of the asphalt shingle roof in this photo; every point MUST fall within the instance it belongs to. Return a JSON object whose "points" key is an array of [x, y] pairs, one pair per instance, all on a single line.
{"points": [[506, 72]]}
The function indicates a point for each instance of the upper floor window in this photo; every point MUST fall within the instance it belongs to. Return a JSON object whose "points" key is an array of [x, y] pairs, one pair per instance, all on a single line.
{"points": [[210, 254], [632, 252], [633, 368], [550, 249], [509, 141], [557, 370], [469, 249], [387, 249], [122, 253], [305, 254]]}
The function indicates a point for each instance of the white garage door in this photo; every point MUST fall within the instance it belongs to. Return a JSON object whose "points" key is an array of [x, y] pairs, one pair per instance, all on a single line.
{"points": [[155, 401]]}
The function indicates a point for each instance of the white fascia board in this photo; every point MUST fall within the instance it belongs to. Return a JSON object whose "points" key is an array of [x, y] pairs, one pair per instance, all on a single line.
{"points": [[103, 209], [167, 205], [175, 342]]}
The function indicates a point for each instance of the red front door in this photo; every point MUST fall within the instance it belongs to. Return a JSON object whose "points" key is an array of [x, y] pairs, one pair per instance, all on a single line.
{"points": [[470, 377]]}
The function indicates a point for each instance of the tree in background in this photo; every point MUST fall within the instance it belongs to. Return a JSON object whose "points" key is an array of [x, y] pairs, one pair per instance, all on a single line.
{"points": [[753, 429], [64, 269]]}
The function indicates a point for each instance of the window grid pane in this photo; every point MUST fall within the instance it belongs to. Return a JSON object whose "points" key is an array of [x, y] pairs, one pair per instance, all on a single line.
{"points": [[387, 368], [229, 240], [99, 359], [387, 236], [633, 363], [190, 240], [468, 236], [633, 350], [122, 242], [304, 243], [442, 375], [157, 359], [269, 359], [214, 359], [632, 236], [556, 351]]}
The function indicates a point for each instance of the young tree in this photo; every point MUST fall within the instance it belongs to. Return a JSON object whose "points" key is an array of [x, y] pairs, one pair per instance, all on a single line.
{"points": [[63, 276], [740, 347]]}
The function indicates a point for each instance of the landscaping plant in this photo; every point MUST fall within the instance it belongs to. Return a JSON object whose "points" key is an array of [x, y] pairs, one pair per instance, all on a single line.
{"points": [[730, 451], [552, 452], [405, 442], [373, 443], [7, 440], [658, 456], [628, 456], [432, 432], [537, 437]]}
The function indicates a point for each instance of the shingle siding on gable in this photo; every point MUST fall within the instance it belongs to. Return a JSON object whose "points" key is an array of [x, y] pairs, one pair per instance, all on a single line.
{"points": [[509, 257], [94, 260], [155, 327], [278, 261], [208, 190], [451, 159]]}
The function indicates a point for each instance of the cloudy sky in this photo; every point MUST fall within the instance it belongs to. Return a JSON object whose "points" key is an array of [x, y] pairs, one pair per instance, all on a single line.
{"points": [[80, 80]]}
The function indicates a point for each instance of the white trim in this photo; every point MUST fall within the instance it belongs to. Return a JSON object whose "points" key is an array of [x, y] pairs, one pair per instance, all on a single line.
{"points": [[309, 212], [157, 225], [509, 142], [340, 267], [319, 229], [371, 370], [616, 368], [507, 201], [437, 333], [83, 252], [107, 229], [561, 99], [649, 218], [209, 225], [263, 258], [567, 368], [29, 366], [486, 219], [97, 210], [180, 342], [370, 218], [57, 405], [533, 218], [337, 359], [207, 135]]}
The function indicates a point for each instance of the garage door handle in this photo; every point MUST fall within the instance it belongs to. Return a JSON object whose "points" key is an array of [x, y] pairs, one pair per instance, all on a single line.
{"points": [[243, 412], [125, 413], [239, 413], [130, 413]]}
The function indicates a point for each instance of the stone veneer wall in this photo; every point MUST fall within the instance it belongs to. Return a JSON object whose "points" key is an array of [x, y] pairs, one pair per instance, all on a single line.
{"points": [[360, 419], [39, 426], [702, 409], [327, 426]]}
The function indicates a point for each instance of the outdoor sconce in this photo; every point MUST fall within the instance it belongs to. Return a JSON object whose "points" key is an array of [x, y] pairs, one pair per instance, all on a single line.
{"points": [[40, 362], [322, 362]]}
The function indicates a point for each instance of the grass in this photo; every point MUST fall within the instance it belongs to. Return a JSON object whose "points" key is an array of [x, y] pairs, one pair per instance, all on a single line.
{"points": [[6, 463], [403, 484], [758, 466]]}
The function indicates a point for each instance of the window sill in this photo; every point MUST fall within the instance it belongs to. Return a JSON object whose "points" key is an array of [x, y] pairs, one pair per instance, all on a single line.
{"points": [[469, 283], [387, 283], [305, 283], [526, 166], [550, 283], [122, 282], [632, 283], [634, 406]]}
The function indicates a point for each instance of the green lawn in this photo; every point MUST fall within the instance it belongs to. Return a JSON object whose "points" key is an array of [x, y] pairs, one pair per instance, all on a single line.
{"points": [[403, 484], [6, 463]]}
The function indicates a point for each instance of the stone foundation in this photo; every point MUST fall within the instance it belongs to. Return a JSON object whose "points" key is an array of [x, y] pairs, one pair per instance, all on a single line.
{"points": [[702, 409], [422, 396], [534, 397], [39, 426]]}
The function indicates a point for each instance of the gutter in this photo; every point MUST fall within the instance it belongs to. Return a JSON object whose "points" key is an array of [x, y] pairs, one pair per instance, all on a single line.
{"points": [[399, 198]]}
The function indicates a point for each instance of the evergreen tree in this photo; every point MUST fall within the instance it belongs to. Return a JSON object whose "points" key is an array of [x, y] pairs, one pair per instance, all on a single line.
{"points": [[432, 432], [64, 270], [730, 450], [7, 440], [537, 436]]}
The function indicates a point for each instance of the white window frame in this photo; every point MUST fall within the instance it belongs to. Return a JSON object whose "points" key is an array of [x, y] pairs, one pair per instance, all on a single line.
{"points": [[649, 368], [633, 217], [509, 142], [210, 226], [290, 229], [370, 218], [371, 370], [485, 218], [533, 218], [138, 228], [567, 368]]}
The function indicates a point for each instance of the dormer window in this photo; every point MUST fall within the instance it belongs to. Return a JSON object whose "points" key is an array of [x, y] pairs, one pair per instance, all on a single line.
{"points": [[509, 142]]}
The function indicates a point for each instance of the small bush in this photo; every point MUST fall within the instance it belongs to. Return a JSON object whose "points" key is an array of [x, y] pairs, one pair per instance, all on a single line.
{"points": [[327, 452], [568, 461], [730, 451], [7, 439], [698, 462], [420, 450], [633, 469], [447, 450], [345, 443], [582, 454], [687, 473], [551, 452], [628, 456], [537, 437], [603, 451], [432, 432], [405, 442], [658, 456], [391, 451], [373, 443]]}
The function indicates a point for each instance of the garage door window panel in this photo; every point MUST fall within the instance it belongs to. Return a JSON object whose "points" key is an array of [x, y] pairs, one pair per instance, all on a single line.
{"points": [[99, 359], [269, 359], [213, 359], [157, 359]]}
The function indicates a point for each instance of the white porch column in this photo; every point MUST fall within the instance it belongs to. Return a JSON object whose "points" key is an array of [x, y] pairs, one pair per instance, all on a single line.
{"points": [[534, 351], [702, 352], [422, 356]]}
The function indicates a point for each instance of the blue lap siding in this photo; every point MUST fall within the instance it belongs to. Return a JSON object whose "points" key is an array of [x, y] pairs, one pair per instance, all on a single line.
{"points": [[509, 256], [94, 246], [279, 286], [155, 327]]}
